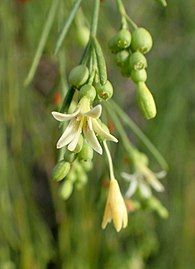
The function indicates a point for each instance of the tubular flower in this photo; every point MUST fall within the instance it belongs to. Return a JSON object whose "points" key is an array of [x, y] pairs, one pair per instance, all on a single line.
{"points": [[83, 120], [115, 208]]}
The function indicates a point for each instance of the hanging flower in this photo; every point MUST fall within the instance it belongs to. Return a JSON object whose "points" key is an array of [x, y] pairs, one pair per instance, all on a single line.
{"points": [[115, 208], [84, 120], [141, 180]]}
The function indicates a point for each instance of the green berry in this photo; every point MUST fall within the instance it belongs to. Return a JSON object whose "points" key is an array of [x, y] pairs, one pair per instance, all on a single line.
{"points": [[86, 153], [137, 61], [139, 75], [88, 91], [78, 76], [121, 40], [122, 57], [79, 145], [146, 101], [105, 91], [141, 40], [60, 170]]}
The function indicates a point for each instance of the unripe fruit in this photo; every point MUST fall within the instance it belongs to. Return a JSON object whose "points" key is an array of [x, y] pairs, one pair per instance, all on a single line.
{"points": [[139, 75], [137, 61], [121, 40], [105, 91], [78, 76], [146, 101], [88, 91], [66, 189], [79, 145], [60, 170], [141, 40], [86, 153], [122, 57]]}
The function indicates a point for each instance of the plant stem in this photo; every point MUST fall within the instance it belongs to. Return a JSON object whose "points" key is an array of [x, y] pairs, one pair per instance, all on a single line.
{"points": [[95, 17], [67, 25], [124, 16], [125, 140], [110, 163], [127, 120], [42, 42]]}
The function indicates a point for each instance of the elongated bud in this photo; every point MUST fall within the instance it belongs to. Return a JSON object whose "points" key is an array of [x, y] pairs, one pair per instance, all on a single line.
{"points": [[146, 101], [139, 75], [66, 189], [137, 61], [86, 153], [162, 2], [88, 91], [78, 76], [122, 57], [60, 170], [141, 40], [121, 40], [69, 156], [105, 91]]}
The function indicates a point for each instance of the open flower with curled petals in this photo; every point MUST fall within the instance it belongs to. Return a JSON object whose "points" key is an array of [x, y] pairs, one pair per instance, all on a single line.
{"points": [[143, 179], [115, 208], [84, 121]]}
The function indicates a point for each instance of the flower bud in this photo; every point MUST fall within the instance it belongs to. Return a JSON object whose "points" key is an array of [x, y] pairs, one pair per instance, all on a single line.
{"points": [[66, 189], [69, 156], [146, 101], [79, 145], [137, 61], [121, 40], [88, 91], [86, 153], [141, 40], [83, 35], [122, 57], [105, 91], [139, 75], [78, 76], [87, 165], [60, 170]]}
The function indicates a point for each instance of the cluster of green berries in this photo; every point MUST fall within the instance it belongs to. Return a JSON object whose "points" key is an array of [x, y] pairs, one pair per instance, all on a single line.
{"points": [[130, 49], [72, 169], [80, 78]]}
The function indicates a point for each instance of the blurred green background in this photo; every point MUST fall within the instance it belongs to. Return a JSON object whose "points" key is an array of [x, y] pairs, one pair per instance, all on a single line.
{"points": [[38, 229]]}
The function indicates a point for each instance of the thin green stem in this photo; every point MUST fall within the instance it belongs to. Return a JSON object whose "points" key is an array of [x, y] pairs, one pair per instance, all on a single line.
{"points": [[95, 17], [67, 25], [42, 42], [110, 163], [127, 120], [125, 140], [124, 16]]}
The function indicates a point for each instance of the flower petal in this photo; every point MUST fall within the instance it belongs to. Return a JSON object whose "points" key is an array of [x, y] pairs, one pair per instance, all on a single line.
{"points": [[68, 134], [102, 133], [75, 141], [145, 190], [63, 116], [92, 139], [152, 180], [128, 177], [94, 112], [132, 188], [107, 216]]}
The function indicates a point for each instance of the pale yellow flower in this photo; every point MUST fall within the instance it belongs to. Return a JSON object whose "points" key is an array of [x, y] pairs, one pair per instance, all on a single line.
{"points": [[84, 120], [115, 208]]}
